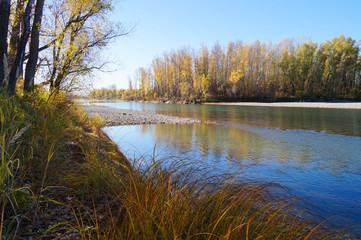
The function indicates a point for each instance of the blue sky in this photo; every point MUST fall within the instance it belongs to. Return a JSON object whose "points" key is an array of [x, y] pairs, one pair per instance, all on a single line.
{"points": [[163, 25]]}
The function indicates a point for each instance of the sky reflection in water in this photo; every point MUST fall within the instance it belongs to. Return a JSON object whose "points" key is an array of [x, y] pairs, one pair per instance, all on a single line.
{"points": [[314, 152]]}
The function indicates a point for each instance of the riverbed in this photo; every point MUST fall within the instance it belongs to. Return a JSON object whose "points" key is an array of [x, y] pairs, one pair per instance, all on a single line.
{"points": [[115, 116]]}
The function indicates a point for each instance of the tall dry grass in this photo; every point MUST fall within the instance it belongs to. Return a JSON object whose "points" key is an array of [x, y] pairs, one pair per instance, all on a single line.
{"points": [[178, 201], [62, 177], [35, 133]]}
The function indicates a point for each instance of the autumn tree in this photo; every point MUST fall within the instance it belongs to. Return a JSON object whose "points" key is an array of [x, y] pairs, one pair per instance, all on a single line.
{"points": [[234, 81], [201, 66], [206, 85], [65, 41], [258, 71], [78, 30]]}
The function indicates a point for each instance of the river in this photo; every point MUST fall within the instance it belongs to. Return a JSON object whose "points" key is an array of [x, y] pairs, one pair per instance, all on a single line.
{"points": [[316, 153]]}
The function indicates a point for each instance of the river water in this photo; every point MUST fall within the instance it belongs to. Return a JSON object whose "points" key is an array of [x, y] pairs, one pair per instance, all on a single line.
{"points": [[316, 153]]}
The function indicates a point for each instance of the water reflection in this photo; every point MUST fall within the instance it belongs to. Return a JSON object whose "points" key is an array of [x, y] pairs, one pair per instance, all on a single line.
{"points": [[303, 149], [340, 121], [314, 152], [325, 168]]}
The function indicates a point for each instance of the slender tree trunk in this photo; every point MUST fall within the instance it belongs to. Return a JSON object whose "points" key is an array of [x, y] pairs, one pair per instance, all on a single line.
{"points": [[17, 65], [34, 47], [15, 32], [4, 26]]}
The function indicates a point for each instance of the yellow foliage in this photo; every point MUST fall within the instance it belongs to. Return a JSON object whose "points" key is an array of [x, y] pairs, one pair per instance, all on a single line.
{"points": [[236, 76], [185, 89], [206, 84]]}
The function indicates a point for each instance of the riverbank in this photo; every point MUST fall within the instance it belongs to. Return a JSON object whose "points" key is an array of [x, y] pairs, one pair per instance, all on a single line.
{"points": [[329, 105], [63, 178], [115, 116]]}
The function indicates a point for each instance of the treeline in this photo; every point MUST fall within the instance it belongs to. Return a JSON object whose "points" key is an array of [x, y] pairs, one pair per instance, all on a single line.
{"points": [[110, 92], [255, 71]]}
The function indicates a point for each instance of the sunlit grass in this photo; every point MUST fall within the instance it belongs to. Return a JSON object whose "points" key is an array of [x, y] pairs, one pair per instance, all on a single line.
{"points": [[62, 176], [178, 201]]}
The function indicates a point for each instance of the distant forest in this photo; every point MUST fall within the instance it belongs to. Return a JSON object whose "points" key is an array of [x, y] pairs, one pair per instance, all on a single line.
{"points": [[252, 71]]}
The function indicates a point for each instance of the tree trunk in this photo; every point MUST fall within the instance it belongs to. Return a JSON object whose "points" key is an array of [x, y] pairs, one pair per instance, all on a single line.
{"points": [[4, 25], [15, 32], [34, 47], [17, 65]]}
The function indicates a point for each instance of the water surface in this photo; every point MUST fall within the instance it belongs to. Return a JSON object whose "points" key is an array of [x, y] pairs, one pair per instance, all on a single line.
{"points": [[316, 153]]}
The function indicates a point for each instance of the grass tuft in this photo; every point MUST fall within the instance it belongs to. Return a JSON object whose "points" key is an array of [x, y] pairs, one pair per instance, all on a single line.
{"points": [[62, 177], [176, 201]]}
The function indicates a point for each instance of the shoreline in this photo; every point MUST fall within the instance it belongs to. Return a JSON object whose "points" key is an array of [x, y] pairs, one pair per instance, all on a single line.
{"points": [[93, 109], [326, 105], [117, 117]]}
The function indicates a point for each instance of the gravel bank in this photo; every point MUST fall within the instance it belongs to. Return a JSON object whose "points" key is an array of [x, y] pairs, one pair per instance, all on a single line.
{"points": [[330, 105], [115, 116]]}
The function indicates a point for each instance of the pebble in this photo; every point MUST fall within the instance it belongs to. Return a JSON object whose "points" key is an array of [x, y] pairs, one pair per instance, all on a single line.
{"points": [[115, 116]]}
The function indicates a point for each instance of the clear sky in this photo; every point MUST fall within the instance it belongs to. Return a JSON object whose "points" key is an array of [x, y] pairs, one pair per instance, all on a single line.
{"points": [[164, 25]]}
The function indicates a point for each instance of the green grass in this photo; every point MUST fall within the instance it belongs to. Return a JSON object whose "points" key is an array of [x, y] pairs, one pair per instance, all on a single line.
{"points": [[61, 176]]}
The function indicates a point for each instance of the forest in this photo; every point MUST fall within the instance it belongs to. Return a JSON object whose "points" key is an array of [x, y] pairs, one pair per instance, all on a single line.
{"points": [[287, 70]]}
